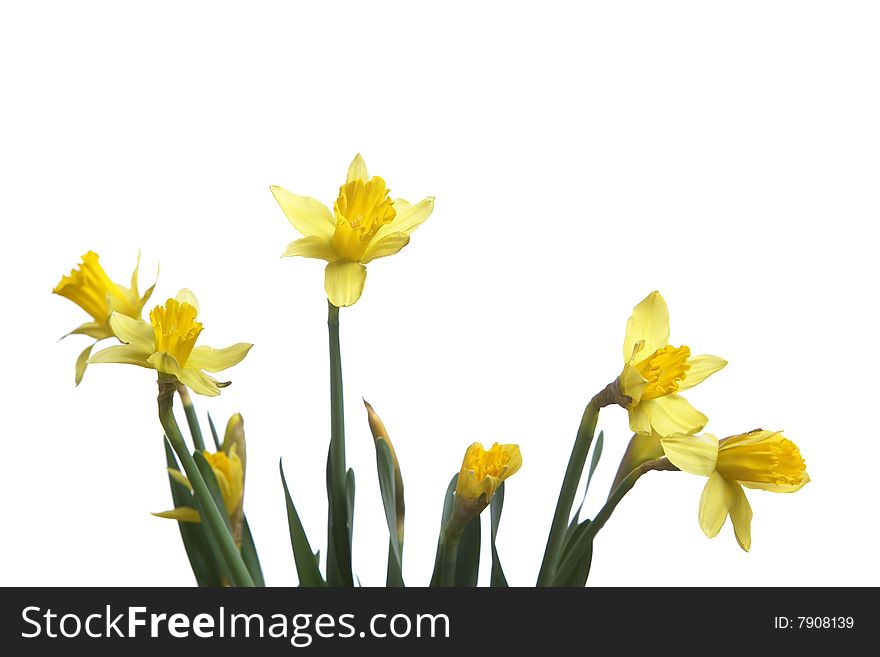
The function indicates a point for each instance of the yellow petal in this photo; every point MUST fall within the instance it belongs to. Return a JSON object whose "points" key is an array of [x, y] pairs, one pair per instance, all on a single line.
{"points": [[82, 362], [181, 513], [309, 216], [741, 517], [640, 418], [632, 384], [700, 368], [179, 477], [187, 296], [357, 170], [199, 382], [649, 323], [694, 454], [164, 362], [671, 414], [715, 504], [122, 353], [316, 246], [216, 360], [134, 332], [344, 282], [388, 245], [515, 462], [91, 329], [408, 217]]}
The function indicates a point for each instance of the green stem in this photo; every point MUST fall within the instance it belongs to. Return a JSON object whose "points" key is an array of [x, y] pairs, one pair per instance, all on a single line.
{"points": [[449, 551], [191, 418], [338, 545], [215, 522], [609, 395], [626, 484]]}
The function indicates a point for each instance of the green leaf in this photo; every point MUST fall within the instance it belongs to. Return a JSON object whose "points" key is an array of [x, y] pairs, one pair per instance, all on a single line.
{"points": [[467, 565], [574, 564], [202, 559], [249, 554], [306, 561], [349, 504], [214, 433], [597, 454], [495, 507], [192, 420], [388, 489], [444, 518]]}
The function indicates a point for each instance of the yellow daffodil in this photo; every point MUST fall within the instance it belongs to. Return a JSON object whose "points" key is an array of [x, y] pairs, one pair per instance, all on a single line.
{"points": [[167, 345], [655, 371], [365, 224], [482, 472], [89, 287], [229, 473], [758, 459]]}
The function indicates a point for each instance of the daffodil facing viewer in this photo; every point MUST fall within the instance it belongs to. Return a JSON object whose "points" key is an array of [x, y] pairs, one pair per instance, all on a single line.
{"points": [[89, 287], [229, 472], [758, 459], [168, 345], [365, 224], [654, 372]]}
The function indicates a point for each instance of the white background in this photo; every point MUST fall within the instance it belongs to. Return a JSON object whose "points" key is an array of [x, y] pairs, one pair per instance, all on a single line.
{"points": [[581, 156]]}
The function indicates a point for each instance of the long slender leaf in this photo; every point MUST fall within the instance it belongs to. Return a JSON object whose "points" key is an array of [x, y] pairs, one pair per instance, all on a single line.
{"points": [[306, 561], [388, 489], [597, 454], [204, 564], [214, 433], [249, 554], [444, 518], [213, 488], [576, 559], [495, 507]]}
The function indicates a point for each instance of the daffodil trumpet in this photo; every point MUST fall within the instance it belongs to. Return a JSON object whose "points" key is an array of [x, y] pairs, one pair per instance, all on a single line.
{"points": [[211, 516]]}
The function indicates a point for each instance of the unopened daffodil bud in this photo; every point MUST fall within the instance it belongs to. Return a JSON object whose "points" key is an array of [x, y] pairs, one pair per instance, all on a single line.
{"points": [[234, 438], [482, 472], [377, 428]]}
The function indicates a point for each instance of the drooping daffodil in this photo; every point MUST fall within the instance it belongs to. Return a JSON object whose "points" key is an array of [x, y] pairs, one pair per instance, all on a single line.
{"points": [[365, 224], [167, 345], [89, 287], [654, 372], [758, 459]]}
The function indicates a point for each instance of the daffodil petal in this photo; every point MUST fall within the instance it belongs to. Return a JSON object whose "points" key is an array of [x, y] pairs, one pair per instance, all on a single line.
{"points": [[672, 414], [164, 362], [715, 504], [778, 488], [309, 216], [694, 454], [701, 368], [216, 360], [640, 418], [199, 382], [188, 296], [344, 282], [181, 513], [91, 329], [515, 463], [741, 517], [408, 217], [179, 477], [357, 170], [649, 322], [134, 332], [632, 384], [386, 246], [315, 246], [121, 353], [82, 362]]}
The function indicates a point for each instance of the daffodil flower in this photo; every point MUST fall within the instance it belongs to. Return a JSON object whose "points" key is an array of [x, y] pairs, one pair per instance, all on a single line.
{"points": [[365, 224], [482, 472], [167, 345], [758, 459], [654, 372], [89, 287], [229, 473]]}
